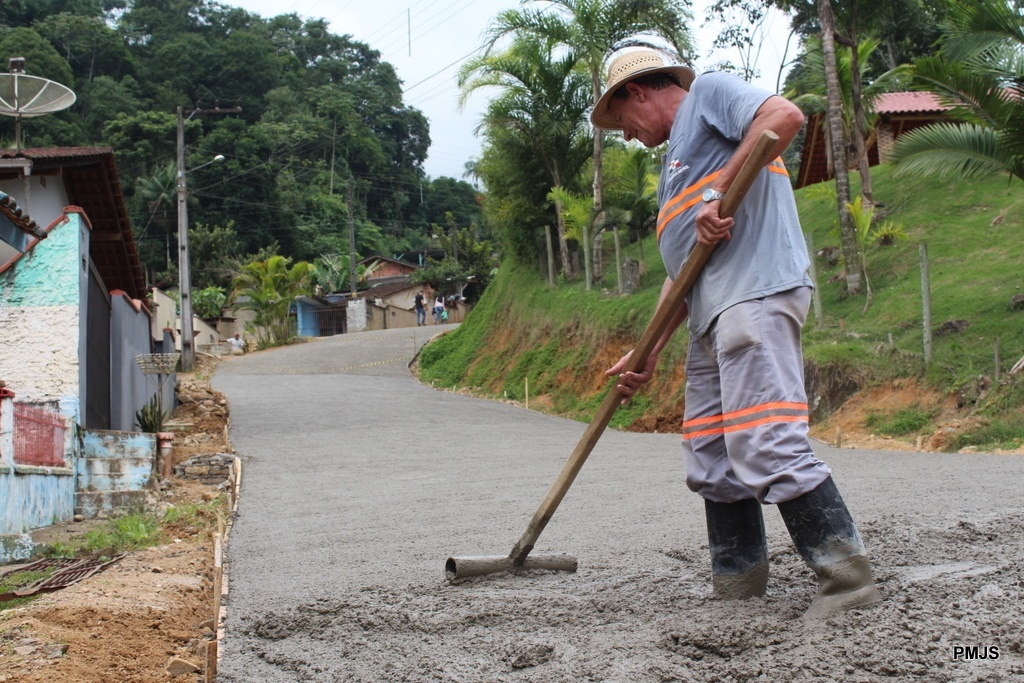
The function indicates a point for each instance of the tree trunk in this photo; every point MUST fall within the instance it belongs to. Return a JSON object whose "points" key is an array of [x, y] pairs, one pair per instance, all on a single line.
{"points": [[860, 124], [840, 164], [551, 255], [618, 260], [592, 264], [588, 264], [563, 245]]}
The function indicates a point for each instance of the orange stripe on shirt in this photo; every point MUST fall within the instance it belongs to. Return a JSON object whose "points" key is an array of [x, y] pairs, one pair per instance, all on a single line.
{"points": [[778, 166], [687, 197]]}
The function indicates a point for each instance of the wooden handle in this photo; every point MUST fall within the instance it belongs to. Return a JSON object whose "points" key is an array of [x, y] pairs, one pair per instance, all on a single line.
{"points": [[759, 156]]}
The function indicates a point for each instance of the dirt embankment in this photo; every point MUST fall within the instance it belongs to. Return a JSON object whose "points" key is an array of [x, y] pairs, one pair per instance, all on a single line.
{"points": [[843, 405]]}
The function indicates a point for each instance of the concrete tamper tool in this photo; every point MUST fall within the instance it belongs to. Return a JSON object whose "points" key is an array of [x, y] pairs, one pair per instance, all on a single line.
{"points": [[459, 568]]}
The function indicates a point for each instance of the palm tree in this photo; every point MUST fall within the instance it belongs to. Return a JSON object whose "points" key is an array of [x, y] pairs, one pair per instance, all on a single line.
{"points": [[590, 30], [979, 72], [632, 187], [268, 288], [542, 103], [158, 193], [838, 138], [856, 120]]}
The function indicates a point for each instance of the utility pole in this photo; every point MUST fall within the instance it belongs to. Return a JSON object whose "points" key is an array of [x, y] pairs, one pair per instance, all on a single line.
{"points": [[188, 350], [351, 243]]}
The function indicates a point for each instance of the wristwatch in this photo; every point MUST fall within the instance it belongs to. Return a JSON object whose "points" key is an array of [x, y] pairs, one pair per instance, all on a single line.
{"points": [[712, 195]]}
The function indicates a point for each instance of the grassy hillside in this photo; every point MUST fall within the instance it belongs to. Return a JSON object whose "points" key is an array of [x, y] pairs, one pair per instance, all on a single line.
{"points": [[556, 343]]}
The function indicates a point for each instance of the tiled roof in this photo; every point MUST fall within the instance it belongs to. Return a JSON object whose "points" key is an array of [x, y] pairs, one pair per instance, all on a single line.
{"points": [[386, 290], [10, 209], [56, 153], [92, 183], [908, 103]]}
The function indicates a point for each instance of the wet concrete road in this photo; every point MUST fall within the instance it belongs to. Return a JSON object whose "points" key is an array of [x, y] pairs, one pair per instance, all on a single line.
{"points": [[358, 482]]}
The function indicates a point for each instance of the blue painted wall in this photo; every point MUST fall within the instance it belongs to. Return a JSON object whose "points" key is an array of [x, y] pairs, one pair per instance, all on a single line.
{"points": [[116, 472], [115, 461]]}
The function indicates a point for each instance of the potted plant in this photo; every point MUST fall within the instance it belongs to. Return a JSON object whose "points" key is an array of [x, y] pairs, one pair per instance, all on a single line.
{"points": [[150, 418]]}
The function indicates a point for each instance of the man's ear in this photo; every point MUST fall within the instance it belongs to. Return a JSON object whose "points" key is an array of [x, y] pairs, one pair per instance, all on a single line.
{"points": [[636, 91]]}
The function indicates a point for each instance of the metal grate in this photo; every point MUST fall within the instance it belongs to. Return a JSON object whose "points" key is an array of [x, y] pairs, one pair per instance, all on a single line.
{"points": [[38, 436], [66, 571]]}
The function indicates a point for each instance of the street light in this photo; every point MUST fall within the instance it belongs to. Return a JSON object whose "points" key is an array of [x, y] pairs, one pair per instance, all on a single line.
{"points": [[188, 352]]}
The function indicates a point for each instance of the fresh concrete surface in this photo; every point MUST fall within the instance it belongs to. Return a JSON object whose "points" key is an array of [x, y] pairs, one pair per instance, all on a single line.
{"points": [[358, 482]]}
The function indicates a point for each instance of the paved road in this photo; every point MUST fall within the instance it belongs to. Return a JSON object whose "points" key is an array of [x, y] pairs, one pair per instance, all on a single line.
{"points": [[358, 482]]}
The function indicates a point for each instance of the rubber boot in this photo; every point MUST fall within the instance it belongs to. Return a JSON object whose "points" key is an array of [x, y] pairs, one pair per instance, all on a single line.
{"points": [[826, 537], [739, 553]]}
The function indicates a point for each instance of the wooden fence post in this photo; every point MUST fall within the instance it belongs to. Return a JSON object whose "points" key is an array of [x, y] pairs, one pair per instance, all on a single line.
{"points": [[926, 301], [815, 293]]}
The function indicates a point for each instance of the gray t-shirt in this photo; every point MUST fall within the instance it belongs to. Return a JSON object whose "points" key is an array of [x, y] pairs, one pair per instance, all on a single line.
{"points": [[767, 253]]}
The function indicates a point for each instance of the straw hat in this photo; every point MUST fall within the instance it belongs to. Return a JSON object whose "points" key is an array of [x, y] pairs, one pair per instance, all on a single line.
{"points": [[625, 68]]}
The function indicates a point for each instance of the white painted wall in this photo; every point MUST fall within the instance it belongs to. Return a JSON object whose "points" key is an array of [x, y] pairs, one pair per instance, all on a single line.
{"points": [[39, 352], [43, 198]]}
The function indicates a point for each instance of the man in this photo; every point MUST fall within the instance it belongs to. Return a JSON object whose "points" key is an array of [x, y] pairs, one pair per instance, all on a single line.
{"points": [[745, 418], [421, 311], [237, 344]]}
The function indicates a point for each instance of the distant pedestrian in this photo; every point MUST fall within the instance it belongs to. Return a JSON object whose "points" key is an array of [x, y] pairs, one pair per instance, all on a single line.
{"points": [[438, 308], [421, 309], [237, 344]]}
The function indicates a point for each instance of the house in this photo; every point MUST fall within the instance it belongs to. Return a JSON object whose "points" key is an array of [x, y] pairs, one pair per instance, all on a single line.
{"points": [[383, 269], [73, 320], [896, 114], [389, 299], [318, 316]]}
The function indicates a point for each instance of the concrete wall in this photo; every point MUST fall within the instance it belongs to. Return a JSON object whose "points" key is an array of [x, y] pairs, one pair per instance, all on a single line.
{"points": [[40, 303], [129, 337], [30, 497], [390, 317], [115, 472], [357, 315], [163, 314]]}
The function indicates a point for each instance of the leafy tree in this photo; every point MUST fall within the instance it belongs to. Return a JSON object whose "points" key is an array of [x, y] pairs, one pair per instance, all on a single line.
{"points": [[88, 44], [590, 30], [214, 250], [144, 139], [815, 101], [102, 99], [320, 113], [980, 73], [155, 205], [745, 30], [467, 268], [633, 188], [542, 102], [268, 288], [209, 301], [41, 60], [331, 273]]}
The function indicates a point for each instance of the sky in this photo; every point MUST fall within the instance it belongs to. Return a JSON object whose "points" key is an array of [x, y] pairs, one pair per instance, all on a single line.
{"points": [[427, 40]]}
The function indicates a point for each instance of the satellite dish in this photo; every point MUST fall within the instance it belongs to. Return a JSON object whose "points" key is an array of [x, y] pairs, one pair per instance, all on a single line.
{"points": [[24, 96]]}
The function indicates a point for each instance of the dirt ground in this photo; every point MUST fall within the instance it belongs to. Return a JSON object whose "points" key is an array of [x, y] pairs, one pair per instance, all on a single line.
{"points": [[131, 621]]}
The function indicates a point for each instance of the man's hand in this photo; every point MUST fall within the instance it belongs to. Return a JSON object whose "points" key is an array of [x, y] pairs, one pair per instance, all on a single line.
{"points": [[712, 228], [631, 382]]}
